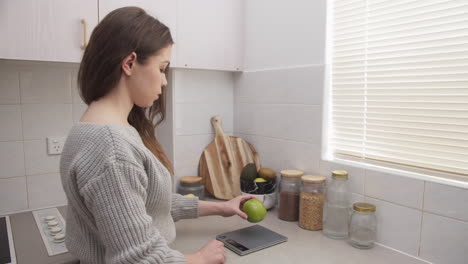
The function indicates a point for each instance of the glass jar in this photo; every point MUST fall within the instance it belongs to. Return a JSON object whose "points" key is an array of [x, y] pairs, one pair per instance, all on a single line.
{"points": [[363, 226], [289, 195], [336, 210], [312, 198], [191, 185]]}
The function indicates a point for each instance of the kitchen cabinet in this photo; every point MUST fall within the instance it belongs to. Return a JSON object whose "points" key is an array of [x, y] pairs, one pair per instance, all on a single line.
{"points": [[210, 34], [46, 30], [164, 10]]}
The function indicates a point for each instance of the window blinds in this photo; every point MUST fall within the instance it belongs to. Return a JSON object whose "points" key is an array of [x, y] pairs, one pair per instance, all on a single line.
{"points": [[399, 82]]}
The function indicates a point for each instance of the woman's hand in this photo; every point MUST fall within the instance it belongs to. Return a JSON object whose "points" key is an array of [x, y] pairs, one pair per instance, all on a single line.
{"points": [[234, 206], [211, 253], [229, 208]]}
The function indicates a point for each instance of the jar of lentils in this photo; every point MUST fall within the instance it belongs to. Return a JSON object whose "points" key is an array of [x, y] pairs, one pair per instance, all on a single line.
{"points": [[312, 198], [289, 195]]}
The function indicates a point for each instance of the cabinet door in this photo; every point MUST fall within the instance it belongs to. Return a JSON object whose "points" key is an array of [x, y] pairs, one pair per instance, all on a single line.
{"points": [[164, 10], [49, 30], [210, 34]]}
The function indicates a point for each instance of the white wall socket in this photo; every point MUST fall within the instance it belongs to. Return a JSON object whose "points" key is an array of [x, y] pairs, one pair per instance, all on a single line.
{"points": [[55, 145]]}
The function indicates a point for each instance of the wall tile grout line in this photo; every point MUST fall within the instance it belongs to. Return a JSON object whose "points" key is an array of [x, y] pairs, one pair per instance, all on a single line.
{"points": [[22, 136], [11, 141], [290, 104], [204, 134], [422, 217], [13, 177], [422, 211], [285, 68], [365, 182], [404, 253], [394, 203], [448, 217], [255, 135]]}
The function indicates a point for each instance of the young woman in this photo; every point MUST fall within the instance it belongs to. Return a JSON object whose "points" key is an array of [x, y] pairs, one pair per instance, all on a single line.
{"points": [[114, 172]]}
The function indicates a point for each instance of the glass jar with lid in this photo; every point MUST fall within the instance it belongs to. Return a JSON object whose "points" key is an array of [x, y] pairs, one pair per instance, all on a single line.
{"points": [[191, 185], [337, 208], [289, 195], [312, 198], [363, 226]]}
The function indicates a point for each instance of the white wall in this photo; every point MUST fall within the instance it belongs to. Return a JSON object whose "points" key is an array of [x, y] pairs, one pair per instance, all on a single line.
{"points": [[36, 101], [40, 99], [199, 95], [278, 108], [278, 98]]}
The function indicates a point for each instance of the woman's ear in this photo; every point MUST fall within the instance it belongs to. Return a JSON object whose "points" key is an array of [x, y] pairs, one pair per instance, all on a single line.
{"points": [[128, 63]]}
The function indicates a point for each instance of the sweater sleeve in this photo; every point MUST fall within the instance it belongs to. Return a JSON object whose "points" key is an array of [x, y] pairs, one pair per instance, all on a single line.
{"points": [[183, 207], [116, 199]]}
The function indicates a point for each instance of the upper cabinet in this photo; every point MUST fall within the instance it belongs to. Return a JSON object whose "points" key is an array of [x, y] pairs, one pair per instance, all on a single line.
{"points": [[210, 34], [164, 10], [49, 30]]}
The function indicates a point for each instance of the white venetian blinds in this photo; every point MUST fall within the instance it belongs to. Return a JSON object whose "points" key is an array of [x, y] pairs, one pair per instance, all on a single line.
{"points": [[399, 82]]}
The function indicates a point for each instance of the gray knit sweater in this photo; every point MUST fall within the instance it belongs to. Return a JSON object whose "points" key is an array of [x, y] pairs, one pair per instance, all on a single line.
{"points": [[120, 205]]}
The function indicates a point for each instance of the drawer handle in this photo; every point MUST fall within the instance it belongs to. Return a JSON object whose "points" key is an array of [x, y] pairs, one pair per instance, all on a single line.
{"points": [[84, 41]]}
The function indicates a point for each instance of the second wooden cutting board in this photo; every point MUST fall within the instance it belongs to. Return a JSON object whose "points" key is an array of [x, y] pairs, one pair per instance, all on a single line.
{"points": [[222, 161]]}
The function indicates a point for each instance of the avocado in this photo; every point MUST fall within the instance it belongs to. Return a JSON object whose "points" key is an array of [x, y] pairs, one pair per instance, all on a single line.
{"points": [[249, 172], [267, 174]]}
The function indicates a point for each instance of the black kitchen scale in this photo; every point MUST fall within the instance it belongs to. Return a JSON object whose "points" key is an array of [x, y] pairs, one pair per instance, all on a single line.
{"points": [[250, 239]]}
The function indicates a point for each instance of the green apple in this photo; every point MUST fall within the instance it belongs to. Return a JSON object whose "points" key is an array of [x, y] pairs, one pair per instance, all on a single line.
{"points": [[255, 210]]}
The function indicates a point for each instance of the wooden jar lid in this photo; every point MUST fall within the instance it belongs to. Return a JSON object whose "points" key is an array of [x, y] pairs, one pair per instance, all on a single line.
{"points": [[191, 179], [313, 178], [291, 173]]}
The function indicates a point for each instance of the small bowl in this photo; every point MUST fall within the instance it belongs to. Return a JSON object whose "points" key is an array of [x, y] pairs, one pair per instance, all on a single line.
{"points": [[268, 200]]}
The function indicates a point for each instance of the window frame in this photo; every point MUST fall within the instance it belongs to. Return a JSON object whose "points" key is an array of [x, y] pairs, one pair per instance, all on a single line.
{"points": [[434, 176]]}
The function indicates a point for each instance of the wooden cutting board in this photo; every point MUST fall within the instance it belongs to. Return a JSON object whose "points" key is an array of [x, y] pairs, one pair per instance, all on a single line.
{"points": [[222, 161]]}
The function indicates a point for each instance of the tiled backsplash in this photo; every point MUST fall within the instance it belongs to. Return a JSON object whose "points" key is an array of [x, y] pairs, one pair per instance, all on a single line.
{"points": [[199, 95], [278, 108], [422, 219], [36, 101], [279, 111], [40, 99]]}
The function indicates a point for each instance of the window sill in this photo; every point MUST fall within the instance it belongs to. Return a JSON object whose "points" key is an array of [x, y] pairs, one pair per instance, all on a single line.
{"points": [[404, 171]]}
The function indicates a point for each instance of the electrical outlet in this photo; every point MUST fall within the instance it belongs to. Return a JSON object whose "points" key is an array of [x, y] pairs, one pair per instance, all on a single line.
{"points": [[55, 145]]}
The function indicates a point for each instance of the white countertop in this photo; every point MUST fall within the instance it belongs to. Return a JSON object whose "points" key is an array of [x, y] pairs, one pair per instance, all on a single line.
{"points": [[303, 246]]}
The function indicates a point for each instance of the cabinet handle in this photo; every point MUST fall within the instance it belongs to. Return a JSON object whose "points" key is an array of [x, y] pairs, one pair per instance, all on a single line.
{"points": [[84, 41]]}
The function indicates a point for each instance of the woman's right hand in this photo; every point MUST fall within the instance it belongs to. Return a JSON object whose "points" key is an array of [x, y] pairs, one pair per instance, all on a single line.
{"points": [[212, 252]]}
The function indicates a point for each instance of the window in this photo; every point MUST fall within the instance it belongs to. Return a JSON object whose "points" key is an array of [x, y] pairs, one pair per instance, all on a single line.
{"points": [[399, 83]]}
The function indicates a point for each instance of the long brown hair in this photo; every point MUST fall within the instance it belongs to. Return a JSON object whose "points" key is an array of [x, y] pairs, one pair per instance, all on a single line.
{"points": [[121, 32]]}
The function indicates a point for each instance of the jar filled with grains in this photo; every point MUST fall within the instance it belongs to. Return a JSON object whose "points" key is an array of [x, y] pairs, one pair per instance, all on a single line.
{"points": [[312, 198], [191, 185], [289, 195], [363, 226]]}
